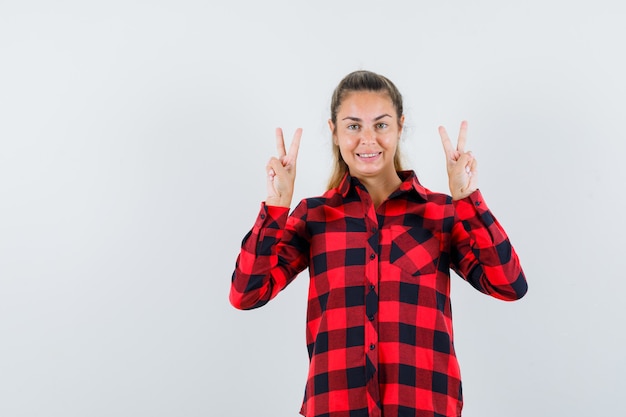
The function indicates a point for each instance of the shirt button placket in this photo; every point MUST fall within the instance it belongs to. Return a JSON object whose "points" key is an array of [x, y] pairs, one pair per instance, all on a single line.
{"points": [[371, 316], [371, 304]]}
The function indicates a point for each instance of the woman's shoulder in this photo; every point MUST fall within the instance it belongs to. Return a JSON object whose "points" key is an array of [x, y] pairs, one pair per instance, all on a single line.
{"points": [[412, 182], [329, 198]]}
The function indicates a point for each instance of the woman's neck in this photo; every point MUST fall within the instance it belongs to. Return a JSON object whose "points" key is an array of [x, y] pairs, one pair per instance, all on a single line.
{"points": [[380, 188]]}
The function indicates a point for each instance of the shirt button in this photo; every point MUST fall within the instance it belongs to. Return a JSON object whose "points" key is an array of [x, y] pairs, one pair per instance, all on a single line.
{"points": [[373, 256], [372, 346], [262, 216], [372, 287], [371, 318]]}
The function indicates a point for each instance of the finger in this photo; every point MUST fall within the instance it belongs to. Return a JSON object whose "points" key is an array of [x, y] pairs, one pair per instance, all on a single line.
{"points": [[472, 185], [270, 181], [270, 178], [445, 141], [468, 162], [473, 166], [280, 143], [460, 146], [465, 159], [274, 167], [295, 146]]}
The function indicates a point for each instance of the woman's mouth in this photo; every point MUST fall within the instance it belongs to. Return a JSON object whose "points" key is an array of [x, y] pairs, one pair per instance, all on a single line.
{"points": [[368, 155]]}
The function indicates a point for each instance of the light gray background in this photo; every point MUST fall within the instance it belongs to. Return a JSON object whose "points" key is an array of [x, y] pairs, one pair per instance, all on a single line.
{"points": [[134, 136]]}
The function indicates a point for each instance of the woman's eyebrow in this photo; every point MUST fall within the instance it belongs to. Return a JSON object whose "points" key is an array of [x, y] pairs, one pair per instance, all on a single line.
{"points": [[356, 119]]}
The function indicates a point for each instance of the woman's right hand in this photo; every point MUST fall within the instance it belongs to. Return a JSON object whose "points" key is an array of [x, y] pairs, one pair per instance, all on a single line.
{"points": [[461, 165], [281, 171]]}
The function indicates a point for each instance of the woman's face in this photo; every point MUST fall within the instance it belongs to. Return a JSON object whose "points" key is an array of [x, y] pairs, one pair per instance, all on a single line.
{"points": [[367, 133]]}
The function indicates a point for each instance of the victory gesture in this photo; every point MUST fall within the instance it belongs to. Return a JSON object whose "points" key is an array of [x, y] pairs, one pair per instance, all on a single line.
{"points": [[461, 165], [281, 171]]}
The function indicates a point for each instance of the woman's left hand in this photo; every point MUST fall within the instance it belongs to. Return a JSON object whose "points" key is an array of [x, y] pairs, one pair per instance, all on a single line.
{"points": [[461, 165]]}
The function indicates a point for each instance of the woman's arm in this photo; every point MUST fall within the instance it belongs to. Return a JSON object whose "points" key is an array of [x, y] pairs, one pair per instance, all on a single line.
{"points": [[271, 254], [481, 250], [482, 253]]}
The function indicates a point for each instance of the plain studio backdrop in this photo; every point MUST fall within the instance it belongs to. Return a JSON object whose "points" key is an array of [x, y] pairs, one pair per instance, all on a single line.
{"points": [[134, 137]]}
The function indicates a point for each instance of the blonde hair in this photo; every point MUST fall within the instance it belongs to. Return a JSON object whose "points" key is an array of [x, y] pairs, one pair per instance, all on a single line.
{"points": [[360, 81]]}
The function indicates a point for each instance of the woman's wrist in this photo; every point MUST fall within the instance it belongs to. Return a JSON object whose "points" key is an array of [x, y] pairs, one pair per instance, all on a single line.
{"points": [[278, 201]]}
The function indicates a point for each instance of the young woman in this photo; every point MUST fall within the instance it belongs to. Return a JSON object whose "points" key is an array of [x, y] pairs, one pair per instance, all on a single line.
{"points": [[379, 248]]}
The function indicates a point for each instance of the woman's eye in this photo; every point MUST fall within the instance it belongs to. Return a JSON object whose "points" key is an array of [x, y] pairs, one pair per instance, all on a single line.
{"points": [[353, 127], [381, 125]]}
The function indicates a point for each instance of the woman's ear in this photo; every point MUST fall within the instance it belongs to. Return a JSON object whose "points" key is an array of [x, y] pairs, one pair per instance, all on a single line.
{"points": [[331, 125], [401, 124]]}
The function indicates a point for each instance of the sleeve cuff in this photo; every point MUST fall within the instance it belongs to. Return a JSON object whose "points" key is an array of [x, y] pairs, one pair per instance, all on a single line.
{"points": [[470, 206], [274, 217]]}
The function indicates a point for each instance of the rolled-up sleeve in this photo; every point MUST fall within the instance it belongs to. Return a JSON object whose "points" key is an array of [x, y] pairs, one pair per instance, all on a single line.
{"points": [[482, 252], [270, 257]]}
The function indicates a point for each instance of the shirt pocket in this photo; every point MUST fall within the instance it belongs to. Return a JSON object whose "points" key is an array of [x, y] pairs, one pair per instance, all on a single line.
{"points": [[414, 249]]}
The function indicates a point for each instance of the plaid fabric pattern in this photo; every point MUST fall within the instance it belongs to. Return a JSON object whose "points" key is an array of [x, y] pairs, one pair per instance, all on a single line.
{"points": [[379, 324]]}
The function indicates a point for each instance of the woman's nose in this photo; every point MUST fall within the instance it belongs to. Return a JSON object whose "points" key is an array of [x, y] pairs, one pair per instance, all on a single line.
{"points": [[368, 136]]}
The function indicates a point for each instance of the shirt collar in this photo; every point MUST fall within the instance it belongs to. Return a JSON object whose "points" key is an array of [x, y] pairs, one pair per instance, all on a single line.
{"points": [[409, 183]]}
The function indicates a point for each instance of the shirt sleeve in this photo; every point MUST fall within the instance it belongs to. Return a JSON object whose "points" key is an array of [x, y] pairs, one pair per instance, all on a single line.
{"points": [[482, 253], [272, 254]]}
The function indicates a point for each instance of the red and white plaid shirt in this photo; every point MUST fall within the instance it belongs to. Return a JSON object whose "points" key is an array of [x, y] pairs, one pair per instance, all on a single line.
{"points": [[379, 325]]}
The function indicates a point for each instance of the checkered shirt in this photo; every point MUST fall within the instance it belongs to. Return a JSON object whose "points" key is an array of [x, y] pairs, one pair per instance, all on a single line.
{"points": [[379, 323]]}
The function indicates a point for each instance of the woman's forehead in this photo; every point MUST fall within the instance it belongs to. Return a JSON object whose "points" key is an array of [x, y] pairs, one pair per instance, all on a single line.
{"points": [[366, 102]]}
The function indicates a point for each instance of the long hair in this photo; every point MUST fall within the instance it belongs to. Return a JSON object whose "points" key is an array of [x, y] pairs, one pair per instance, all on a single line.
{"points": [[360, 81]]}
